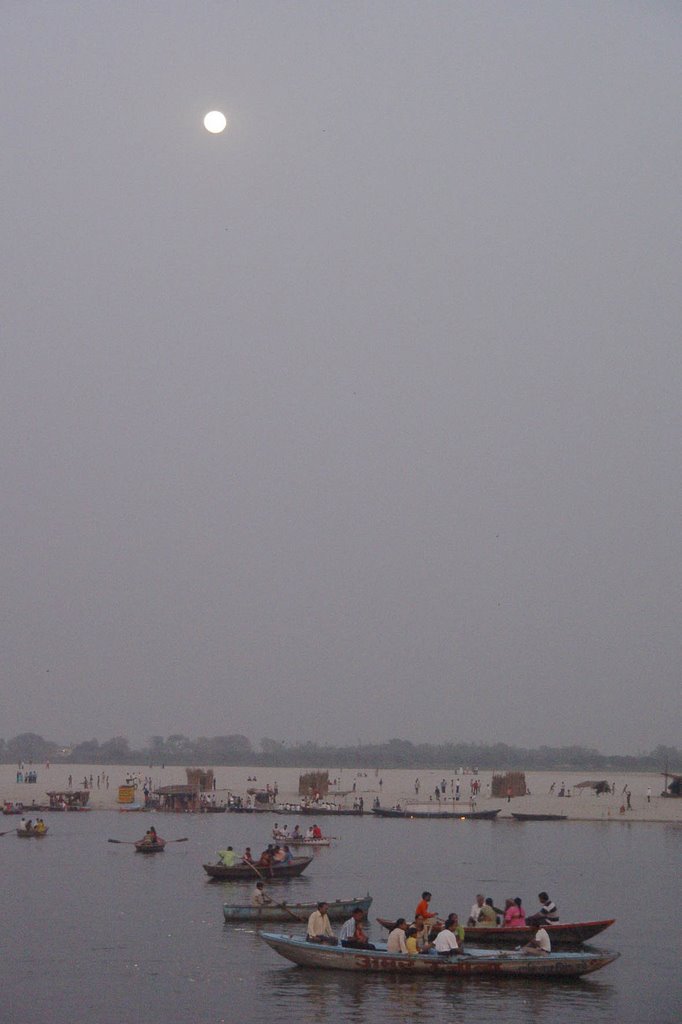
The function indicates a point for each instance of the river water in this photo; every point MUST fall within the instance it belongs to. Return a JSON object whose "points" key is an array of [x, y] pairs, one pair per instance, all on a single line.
{"points": [[93, 932]]}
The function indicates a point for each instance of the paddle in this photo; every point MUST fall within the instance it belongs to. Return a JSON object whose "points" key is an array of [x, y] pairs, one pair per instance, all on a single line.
{"points": [[283, 906], [252, 865], [7, 832]]}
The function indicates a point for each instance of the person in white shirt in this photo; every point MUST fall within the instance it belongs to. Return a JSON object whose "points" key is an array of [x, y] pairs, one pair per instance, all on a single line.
{"points": [[475, 911], [396, 938], [319, 928], [446, 943], [258, 896], [540, 945], [352, 934]]}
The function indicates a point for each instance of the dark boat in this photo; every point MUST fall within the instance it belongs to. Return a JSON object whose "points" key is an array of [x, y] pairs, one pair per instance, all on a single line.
{"points": [[338, 910], [559, 934], [462, 815], [31, 833], [142, 846], [517, 816], [249, 872]]}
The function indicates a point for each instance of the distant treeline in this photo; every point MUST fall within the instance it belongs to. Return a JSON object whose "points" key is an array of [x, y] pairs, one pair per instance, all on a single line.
{"points": [[237, 750]]}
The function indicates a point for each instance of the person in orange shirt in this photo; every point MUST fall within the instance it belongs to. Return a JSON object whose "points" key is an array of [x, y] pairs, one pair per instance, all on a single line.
{"points": [[423, 907]]}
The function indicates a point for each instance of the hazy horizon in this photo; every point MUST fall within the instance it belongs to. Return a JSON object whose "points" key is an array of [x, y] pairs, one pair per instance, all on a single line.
{"points": [[361, 419]]}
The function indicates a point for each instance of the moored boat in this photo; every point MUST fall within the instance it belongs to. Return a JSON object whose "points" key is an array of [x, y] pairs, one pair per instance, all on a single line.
{"points": [[145, 846], [338, 910], [399, 812], [249, 872], [573, 934], [519, 816], [513, 964]]}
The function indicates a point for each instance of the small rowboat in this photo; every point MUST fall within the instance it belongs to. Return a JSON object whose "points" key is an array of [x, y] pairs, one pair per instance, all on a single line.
{"points": [[143, 846], [487, 962], [518, 816], [463, 815], [559, 934], [248, 872], [31, 833], [338, 910]]}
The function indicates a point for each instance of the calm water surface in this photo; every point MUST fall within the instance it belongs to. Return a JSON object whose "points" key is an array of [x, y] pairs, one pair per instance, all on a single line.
{"points": [[95, 933]]}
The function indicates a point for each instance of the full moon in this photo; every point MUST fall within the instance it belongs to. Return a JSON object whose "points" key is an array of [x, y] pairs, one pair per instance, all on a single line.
{"points": [[215, 122]]}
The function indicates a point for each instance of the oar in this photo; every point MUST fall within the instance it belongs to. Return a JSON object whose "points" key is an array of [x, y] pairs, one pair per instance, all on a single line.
{"points": [[284, 907], [252, 865], [7, 832]]}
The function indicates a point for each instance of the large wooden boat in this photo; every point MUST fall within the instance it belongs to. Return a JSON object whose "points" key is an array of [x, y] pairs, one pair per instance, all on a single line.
{"points": [[395, 812], [486, 962], [249, 872], [559, 934], [311, 842], [519, 816], [143, 846], [338, 910]]}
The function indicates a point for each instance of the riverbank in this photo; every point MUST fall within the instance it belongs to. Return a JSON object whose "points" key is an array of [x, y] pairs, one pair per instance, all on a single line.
{"points": [[391, 786]]}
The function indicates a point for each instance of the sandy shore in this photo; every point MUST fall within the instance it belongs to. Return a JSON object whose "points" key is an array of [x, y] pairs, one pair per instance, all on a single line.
{"points": [[391, 786]]}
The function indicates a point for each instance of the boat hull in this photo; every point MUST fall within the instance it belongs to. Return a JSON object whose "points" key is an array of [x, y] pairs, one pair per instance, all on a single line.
{"points": [[559, 934], [312, 844], [30, 833], [244, 872], [480, 962], [339, 910], [452, 815], [157, 847], [518, 816]]}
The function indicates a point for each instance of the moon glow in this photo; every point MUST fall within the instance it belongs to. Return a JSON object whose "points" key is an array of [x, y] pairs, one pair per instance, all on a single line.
{"points": [[215, 122]]}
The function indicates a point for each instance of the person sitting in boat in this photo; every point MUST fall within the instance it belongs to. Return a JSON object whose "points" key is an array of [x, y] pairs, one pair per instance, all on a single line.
{"points": [[41, 827], [259, 897], [317, 832], [446, 943], [247, 856], [265, 859], [411, 941], [309, 833], [547, 914], [539, 945], [488, 915], [522, 912], [278, 855], [287, 855], [29, 825], [512, 917], [352, 934], [396, 937], [319, 928], [423, 907], [22, 824], [297, 832], [475, 912], [421, 932], [228, 858]]}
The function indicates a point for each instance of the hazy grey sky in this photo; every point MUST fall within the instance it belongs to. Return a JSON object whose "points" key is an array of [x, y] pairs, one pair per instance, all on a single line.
{"points": [[362, 419]]}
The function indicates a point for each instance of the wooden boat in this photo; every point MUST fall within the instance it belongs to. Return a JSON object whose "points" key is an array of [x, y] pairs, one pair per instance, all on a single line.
{"points": [[559, 934], [338, 910], [318, 812], [31, 833], [142, 846], [247, 872], [490, 962], [518, 816], [301, 840], [385, 812]]}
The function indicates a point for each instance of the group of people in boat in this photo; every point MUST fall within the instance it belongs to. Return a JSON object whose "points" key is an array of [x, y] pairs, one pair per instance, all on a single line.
{"points": [[38, 827], [484, 913], [282, 832], [151, 837], [272, 854], [426, 933]]}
